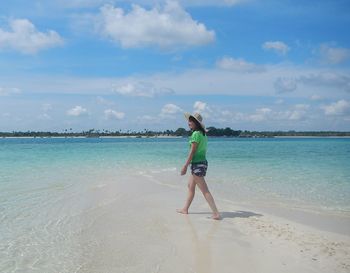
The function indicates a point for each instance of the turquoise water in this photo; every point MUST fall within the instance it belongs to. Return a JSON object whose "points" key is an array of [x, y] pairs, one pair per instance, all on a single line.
{"points": [[309, 170], [47, 184]]}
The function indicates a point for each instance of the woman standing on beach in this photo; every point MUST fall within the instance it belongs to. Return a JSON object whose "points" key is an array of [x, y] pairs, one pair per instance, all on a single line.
{"points": [[199, 164]]}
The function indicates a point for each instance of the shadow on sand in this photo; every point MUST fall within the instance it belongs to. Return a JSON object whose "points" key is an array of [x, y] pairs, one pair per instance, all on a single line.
{"points": [[239, 214], [233, 214]]}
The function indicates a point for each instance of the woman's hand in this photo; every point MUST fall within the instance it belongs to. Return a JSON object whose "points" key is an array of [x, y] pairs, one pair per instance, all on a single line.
{"points": [[184, 170]]}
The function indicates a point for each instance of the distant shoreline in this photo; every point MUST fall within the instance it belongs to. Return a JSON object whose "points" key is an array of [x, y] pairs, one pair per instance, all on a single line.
{"points": [[311, 136], [134, 136], [178, 133]]}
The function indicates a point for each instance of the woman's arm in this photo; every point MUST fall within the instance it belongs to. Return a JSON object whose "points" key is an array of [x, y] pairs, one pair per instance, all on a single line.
{"points": [[189, 158]]}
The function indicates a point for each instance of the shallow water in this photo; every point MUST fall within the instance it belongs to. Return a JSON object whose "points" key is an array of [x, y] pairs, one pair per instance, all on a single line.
{"points": [[48, 185]]}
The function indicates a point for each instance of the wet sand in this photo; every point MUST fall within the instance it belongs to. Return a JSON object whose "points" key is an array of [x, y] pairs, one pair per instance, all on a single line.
{"points": [[134, 228]]}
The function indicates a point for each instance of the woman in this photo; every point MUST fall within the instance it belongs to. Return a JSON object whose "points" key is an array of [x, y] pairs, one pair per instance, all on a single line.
{"points": [[199, 164]]}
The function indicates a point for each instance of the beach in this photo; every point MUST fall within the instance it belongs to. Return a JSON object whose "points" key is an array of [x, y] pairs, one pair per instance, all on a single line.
{"points": [[141, 232], [86, 205]]}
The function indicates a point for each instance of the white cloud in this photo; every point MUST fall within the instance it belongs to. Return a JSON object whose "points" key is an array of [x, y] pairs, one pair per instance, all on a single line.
{"points": [[149, 119], [199, 106], [9, 91], [188, 3], [279, 101], [212, 2], [25, 38], [46, 107], [277, 46], [333, 55], [299, 112], [226, 116], [322, 80], [45, 116], [261, 114], [6, 115], [203, 109], [327, 79], [341, 107], [302, 106], [103, 101], [191, 3], [238, 65], [295, 113], [285, 85], [167, 26], [79, 3], [326, 83], [170, 109], [315, 97], [77, 111], [141, 89], [112, 114]]}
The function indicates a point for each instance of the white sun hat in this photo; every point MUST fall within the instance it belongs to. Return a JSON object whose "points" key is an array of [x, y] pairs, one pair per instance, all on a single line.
{"points": [[197, 117]]}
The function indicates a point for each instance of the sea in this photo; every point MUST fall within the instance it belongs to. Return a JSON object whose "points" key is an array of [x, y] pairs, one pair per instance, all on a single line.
{"points": [[46, 184]]}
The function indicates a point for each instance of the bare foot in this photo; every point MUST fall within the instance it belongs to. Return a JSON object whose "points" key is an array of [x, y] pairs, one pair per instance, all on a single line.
{"points": [[183, 211], [216, 216]]}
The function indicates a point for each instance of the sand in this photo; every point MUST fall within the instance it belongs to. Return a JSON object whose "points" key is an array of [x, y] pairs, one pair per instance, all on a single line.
{"points": [[133, 227]]}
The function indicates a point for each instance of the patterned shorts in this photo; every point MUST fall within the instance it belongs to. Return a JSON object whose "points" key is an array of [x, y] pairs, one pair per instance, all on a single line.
{"points": [[199, 168]]}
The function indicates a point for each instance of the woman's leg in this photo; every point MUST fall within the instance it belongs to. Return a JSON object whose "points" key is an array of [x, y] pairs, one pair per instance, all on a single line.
{"points": [[190, 195], [200, 181]]}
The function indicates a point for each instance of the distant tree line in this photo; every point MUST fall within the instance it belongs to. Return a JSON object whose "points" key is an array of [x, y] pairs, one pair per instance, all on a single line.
{"points": [[211, 131]]}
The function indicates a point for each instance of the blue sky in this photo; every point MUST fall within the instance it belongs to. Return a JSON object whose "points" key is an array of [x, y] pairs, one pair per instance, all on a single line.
{"points": [[244, 64]]}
